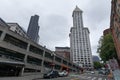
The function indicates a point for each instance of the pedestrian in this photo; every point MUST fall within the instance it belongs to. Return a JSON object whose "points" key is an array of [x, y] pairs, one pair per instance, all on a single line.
{"points": [[110, 76]]}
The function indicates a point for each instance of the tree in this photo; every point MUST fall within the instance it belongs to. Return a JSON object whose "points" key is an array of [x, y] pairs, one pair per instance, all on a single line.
{"points": [[106, 48], [97, 65]]}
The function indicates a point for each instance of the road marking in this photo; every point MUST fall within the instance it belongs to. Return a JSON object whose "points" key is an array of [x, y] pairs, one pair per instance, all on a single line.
{"points": [[100, 79], [75, 79], [84, 77], [88, 77], [94, 78]]}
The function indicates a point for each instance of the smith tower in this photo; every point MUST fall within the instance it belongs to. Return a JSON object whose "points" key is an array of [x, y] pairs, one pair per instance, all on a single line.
{"points": [[79, 41]]}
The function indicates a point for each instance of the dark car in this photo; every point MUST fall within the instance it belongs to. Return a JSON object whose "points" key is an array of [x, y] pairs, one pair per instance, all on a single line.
{"points": [[104, 72], [51, 74]]}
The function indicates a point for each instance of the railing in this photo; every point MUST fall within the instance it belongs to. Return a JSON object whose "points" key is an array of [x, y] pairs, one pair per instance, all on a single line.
{"points": [[116, 74]]}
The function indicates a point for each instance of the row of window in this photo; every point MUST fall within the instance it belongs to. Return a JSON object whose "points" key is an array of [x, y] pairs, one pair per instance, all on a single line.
{"points": [[87, 61], [64, 62], [36, 50], [0, 33], [19, 43], [33, 60], [117, 33], [10, 39], [20, 57], [87, 66], [11, 54], [58, 59]]}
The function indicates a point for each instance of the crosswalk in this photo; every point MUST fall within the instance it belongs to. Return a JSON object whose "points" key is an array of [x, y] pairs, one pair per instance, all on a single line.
{"points": [[90, 78], [94, 78]]}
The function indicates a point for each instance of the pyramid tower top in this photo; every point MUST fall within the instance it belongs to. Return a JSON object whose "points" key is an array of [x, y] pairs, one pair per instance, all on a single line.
{"points": [[77, 9]]}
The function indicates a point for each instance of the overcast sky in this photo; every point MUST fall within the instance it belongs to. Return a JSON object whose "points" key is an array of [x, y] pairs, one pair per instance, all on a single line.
{"points": [[56, 18]]}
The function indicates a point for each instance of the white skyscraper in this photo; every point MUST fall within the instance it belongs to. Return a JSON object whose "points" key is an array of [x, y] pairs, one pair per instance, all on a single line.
{"points": [[80, 42]]}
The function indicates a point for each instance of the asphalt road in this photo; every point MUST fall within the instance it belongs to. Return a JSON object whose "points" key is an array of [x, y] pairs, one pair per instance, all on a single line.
{"points": [[72, 76], [85, 76]]}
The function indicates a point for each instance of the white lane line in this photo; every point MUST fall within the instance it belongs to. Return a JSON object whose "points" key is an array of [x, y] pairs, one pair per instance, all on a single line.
{"points": [[94, 78], [88, 77], [99, 78]]}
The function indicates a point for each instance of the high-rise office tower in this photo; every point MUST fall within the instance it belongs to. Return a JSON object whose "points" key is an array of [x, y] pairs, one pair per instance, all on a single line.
{"points": [[33, 28], [79, 41]]}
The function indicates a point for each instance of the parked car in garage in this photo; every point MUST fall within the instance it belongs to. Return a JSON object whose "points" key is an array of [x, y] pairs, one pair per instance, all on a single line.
{"points": [[51, 74], [63, 73]]}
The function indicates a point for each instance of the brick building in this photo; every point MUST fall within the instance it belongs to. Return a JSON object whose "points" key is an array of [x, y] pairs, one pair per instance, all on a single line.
{"points": [[63, 52], [115, 24], [106, 31]]}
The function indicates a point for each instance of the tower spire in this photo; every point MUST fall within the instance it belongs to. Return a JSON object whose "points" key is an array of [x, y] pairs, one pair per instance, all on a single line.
{"points": [[77, 9]]}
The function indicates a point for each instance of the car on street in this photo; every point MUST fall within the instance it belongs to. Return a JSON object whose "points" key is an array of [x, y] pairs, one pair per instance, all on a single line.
{"points": [[104, 72], [63, 73], [51, 74], [92, 72]]}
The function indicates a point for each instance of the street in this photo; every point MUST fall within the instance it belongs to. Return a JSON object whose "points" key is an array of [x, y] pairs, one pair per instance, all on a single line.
{"points": [[72, 76], [85, 76]]}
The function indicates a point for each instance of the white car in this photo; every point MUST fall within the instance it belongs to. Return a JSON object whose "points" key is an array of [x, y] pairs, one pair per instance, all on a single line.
{"points": [[92, 72], [63, 73]]}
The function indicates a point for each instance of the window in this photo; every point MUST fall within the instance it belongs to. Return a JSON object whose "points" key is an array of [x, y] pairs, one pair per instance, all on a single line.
{"points": [[36, 50], [57, 59], [48, 55], [14, 41], [118, 8], [117, 33], [10, 54], [0, 33], [33, 60], [64, 62], [57, 67]]}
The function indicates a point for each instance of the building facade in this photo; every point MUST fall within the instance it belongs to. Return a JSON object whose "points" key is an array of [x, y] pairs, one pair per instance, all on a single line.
{"points": [[21, 56], [115, 25], [80, 42], [15, 27], [106, 31], [33, 28], [63, 51], [95, 58]]}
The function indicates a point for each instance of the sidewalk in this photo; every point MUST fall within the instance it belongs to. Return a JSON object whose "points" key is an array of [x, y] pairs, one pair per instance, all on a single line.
{"points": [[116, 74], [28, 77]]}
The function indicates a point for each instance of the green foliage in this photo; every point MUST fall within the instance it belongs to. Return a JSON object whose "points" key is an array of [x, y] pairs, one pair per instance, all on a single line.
{"points": [[106, 48], [97, 65]]}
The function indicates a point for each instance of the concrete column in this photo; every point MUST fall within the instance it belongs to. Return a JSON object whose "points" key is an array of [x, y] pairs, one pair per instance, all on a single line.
{"points": [[25, 59], [53, 61], [21, 71], [68, 66], [67, 63], [72, 67], [42, 64], [61, 64], [2, 36]]}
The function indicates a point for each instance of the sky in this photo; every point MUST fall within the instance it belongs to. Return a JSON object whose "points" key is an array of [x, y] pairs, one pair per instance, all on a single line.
{"points": [[56, 18]]}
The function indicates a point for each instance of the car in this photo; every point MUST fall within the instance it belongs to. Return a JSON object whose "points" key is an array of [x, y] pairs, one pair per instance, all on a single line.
{"points": [[92, 72], [107, 71], [51, 74], [102, 72], [63, 73]]}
